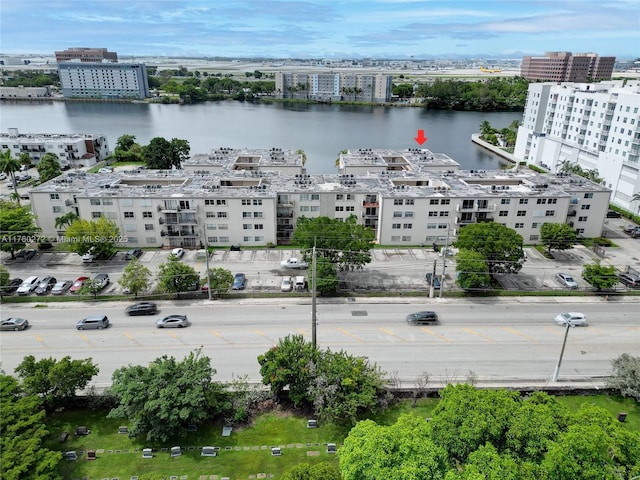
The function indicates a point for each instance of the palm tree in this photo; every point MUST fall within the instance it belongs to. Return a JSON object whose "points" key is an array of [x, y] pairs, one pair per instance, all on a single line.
{"points": [[10, 165], [486, 129], [636, 198], [65, 220]]}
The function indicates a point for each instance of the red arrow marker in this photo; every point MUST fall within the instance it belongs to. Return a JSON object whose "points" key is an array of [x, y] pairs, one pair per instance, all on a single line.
{"points": [[421, 138]]}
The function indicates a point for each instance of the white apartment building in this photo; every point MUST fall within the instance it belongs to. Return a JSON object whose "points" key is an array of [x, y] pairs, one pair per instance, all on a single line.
{"points": [[103, 80], [73, 150], [328, 87], [595, 125], [419, 203]]}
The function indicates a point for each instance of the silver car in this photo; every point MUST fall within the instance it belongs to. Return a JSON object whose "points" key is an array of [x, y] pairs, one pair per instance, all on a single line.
{"points": [[173, 321], [566, 280], [573, 319], [93, 322]]}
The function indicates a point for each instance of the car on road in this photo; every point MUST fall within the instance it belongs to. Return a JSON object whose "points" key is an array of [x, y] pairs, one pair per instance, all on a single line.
{"points": [[566, 280], [45, 285], [133, 253], [106, 170], [239, 281], [629, 279], [436, 280], [294, 263], [178, 252], [11, 287], [28, 286], [78, 284], [24, 255], [14, 324], [61, 287], [286, 285], [100, 281], [142, 308], [173, 321], [573, 319], [613, 214], [97, 322], [423, 318]]}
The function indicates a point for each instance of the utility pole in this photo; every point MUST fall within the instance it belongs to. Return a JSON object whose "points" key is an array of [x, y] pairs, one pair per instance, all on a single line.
{"points": [[206, 253], [445, 252], [433, 280], [314, 341], [564, 342]]}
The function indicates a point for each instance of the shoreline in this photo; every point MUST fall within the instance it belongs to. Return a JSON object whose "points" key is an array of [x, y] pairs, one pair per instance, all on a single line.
{"points": [[475, 138]]}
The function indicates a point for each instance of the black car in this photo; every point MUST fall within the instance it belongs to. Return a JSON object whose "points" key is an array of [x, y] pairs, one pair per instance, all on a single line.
{"points": [[45, 285], [133, 253], [613, 214], [436, 280], [24, 255], [142, 308], [11, 287], [239, 281], [422, 318]]}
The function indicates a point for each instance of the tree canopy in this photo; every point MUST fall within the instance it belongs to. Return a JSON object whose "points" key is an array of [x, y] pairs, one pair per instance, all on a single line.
{"points": [[160, 401], [22, 435], [472, 270], [625, 376], [501, 246], [10, 165], [55, 381], [164, 154], [220, 280], [600, 277], [135, 277], [48, 167], [175, 276], [18, 227], [100, 236], [557, 236]]}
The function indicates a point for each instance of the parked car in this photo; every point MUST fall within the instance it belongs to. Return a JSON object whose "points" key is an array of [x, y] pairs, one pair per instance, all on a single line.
{"points": [[629, 279], [3, 176], [635, 233], [24, 255], [28, 286], [446, 252], [178, 252], [436, 280], [89, 257], [106, 170], [423, 318], [613, 214], [173, 321], [142, 308], [294, 263], [301, 284], [566, 280], [629, 227], [286, 285], [23, 177], [45, 285], [61, 287], [97, 322], [12, 286], [133, 253], [78, 284], [239, 281], [574, 319], [14, 324], [100, 281]]}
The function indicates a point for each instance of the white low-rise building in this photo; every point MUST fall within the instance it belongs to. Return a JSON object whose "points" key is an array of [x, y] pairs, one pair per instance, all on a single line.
{"points": [[414, 201]]}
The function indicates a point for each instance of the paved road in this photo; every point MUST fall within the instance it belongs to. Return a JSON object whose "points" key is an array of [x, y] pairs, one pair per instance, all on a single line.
{"points": [[500, 341]]}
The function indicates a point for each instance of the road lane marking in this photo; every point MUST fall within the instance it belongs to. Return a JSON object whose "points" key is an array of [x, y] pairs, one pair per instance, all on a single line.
{"points": [[131, 337], [221, 337], [301, 331], [86, 339], [515, 332], [41, 340], [349, 334], [478, 334], [173, 334], [434, 334], [262, 334], [391, 334], [555, 331]]}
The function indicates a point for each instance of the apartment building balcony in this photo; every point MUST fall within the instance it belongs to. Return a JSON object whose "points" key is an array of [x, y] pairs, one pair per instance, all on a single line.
{"points": [[70, 202], [477, 208], [26, 148], [179, 233], [367, 204], [572, 213], [285, 214]]}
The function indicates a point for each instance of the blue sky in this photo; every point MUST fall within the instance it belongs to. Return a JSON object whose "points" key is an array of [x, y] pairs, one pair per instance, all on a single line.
{"points": [[323, 28]]}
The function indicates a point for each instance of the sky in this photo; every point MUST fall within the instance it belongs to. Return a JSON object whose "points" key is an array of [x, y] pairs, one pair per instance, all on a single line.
{"points": [[317, 29]]}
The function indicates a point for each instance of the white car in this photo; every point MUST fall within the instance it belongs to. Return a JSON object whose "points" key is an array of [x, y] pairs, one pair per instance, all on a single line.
{"points": [[3, 176], [566, 280], [178, 252], [294, 263], [573, 319], [286, 285], [106, 170]]}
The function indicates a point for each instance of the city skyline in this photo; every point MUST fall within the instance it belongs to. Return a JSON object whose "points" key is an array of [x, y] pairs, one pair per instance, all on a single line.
{"points": [[323, 29]]}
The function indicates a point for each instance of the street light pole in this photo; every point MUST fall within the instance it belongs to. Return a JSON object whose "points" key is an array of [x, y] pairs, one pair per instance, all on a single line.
{"points": [[564, 342], [313, 298], [206, 255], [445, 251]]}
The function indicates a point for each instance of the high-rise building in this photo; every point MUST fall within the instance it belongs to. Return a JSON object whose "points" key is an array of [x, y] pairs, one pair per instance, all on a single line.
{"points": [[566, 67], [104, 80], [593, 125], [334, 86], [84, 54]]}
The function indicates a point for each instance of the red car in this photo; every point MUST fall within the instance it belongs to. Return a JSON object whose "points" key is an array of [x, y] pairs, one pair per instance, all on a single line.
{"points": [[78, 284]]}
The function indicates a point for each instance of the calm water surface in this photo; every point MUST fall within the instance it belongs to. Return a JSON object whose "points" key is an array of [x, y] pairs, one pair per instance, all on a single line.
{"points": [[322, 131]]}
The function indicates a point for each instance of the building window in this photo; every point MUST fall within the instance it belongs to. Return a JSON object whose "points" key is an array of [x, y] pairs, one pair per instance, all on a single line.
{"points": [[582, 219], [247, 239], [585, 207], [316, 196], [588, 195], [258, 226], [57, 209], [257, 201], [221, 201], [223, 226], [126, 202], [550, 213], [209, 201], [503, 213], [395, 238], [541, 201], [350, 196], [398, 201], [111, 215], [398, 214], [96, 214], [145, 202], [433, 214], [259, 239], [340, 208], [106, 201], [519, 225], [350, 208], [246, 201], [210, 214], [523, 201], [444, 213], [431, 226], [95, 201], [340, 196], [56, 196], [505, 201], [434, 201], [533, 237], [150, 240], [395, 226], [211, 226], [445, 201], [257, 214], [130, 227], [129, 215], [246, 214], [148, 226], [467, 204], [314, 208], [408, 214], [247, 226], [535, 225], [521, 213], [222, 214], [224, 239], [406, 238], [147, 214], [408, 226], [443, 226]]}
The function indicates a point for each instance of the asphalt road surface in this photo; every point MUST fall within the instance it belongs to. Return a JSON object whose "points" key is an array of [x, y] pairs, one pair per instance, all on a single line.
{"points": [[498, 340]]}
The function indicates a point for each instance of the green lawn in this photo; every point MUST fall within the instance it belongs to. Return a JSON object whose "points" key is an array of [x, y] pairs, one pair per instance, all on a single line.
{"points": [[244, 454]]}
